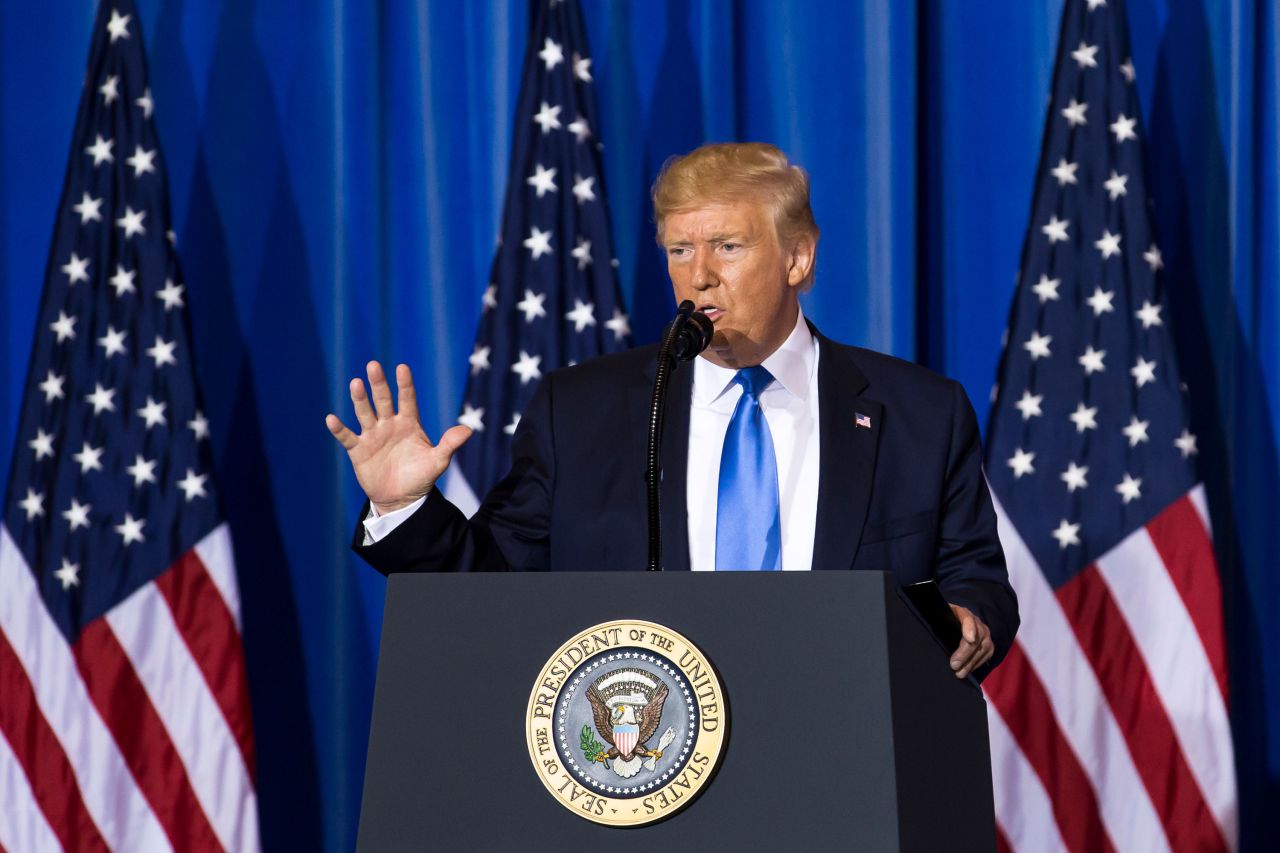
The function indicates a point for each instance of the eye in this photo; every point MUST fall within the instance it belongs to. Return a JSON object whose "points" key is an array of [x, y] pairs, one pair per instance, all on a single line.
{"points": [[731, 248], [678, 251]]}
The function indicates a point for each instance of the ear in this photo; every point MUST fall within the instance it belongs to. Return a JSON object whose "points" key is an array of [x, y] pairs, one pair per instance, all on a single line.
{"points": [[804, 250]]}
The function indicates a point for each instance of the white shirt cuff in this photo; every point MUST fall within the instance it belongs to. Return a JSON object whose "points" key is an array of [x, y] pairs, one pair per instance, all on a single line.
{"points": [[377, 527]]}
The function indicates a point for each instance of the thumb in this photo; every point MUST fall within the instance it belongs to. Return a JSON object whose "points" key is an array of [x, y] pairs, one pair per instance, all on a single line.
{"points": [[453, 438]]}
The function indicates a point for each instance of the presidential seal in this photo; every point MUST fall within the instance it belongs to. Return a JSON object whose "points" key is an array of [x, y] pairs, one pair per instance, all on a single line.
{"points": [[626, 723]]}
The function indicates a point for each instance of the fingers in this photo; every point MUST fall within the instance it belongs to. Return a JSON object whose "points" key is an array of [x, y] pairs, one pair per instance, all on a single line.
{"points": [[976, 646], [345, 437], [408, 403], [381, 390], [453, 438], [360, 400]]}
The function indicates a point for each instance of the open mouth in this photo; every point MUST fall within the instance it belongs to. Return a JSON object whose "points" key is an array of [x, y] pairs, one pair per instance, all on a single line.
{"points": [[713, 313]]}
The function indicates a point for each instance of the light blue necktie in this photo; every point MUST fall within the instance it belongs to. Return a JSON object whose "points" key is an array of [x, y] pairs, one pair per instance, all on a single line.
{"points": [[748, 521]]}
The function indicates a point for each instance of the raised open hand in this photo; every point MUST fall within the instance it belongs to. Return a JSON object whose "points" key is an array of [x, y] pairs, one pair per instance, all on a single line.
{"points": [[394, 461]]}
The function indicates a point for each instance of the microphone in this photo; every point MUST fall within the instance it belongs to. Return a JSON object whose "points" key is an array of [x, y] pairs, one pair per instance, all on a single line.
{"points": [[694, 333], [683, 338]]}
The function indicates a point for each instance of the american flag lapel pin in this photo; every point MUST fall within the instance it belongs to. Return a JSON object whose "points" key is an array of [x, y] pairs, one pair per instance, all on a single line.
{"points": [[862, 421]]}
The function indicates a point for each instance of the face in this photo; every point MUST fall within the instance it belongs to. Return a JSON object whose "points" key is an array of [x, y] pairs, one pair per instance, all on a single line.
{"points": [[728, 260]]}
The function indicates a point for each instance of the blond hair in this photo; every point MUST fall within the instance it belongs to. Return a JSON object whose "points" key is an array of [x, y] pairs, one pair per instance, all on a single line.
{"points": [[732, 171]]}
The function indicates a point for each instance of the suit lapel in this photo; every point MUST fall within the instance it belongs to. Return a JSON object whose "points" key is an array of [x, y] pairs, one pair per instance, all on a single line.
{"points": [[848, 456], [675, 460]]}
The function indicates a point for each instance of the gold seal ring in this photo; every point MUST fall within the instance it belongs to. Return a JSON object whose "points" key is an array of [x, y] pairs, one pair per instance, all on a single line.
{"points": [[626, 723]]}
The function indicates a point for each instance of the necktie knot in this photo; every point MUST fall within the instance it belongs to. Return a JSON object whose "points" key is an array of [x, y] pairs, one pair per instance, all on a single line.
{"points": [[753, 380]]}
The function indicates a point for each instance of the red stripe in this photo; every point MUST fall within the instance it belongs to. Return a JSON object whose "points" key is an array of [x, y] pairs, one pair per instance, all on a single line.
{"points": [[1186, 550], [1020, 697], [122, 701], [206, 624], [1127, 686], [37, 749], [1002, 841]]}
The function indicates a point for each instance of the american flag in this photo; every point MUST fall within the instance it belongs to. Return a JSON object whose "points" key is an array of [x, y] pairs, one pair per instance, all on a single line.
{"points": [[124, 721], [553, 296], [1108, 719]]}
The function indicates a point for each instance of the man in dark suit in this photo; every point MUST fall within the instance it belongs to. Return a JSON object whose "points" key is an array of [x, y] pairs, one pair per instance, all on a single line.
{"points": [[782, 450]]}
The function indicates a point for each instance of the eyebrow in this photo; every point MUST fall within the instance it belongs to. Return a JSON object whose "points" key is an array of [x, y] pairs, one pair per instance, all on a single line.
{"points": [[720, 237]]}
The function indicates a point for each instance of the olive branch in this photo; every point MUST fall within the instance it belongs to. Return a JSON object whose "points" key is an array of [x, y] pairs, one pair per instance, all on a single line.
{"points": [[591, 747]]}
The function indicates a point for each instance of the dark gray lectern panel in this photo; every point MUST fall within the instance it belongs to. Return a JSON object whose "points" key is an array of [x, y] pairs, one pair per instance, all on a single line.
{"points": [[847, 730]]}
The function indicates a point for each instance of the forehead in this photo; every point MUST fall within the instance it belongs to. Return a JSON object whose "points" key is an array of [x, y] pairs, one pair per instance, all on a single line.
{"points": [[743, 217]]}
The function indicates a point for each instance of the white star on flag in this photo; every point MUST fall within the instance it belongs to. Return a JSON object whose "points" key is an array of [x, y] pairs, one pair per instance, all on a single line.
{"points": [[77, 515], [68, 574], [142, 161], [531, 305], [1143, 371], [1100, 301], [42, 444], [618, 324], [118, 26], [582, 190], [479, 359], [142, 470], [1074, 477], [1108, 244], [1129, 488], [64, 327], [510, 429], [579, 128], [1065, 172], [199, 426], [162, 352], [472, 417], [582, 252], [170, 295], [145, 102], [32, 504], [1153, 258], [538, 242], [131, 529], [76, 268], [1074, 113], [1067, 534], [52, 387], [100, 150], [110, 89], [1029, 405], [582, 68], [551, 54], [1084, 417], [122, 281], [548, 118], [1091, 361], [1186, 443], [101, 399], [582, 315], [192, 485], [1038, 345], [153, 413], [1115, 185], [1084, 55], [1020, 462], [1046, 288], [1056, 230], [131, 222], [527, 367], [542, 180], [1126, 68], [89, 208], [1149, 315], [89, 457], [1136, 431], [1123, 128]]}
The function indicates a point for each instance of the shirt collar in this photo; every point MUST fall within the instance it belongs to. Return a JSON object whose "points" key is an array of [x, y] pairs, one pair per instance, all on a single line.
{"points": [[791, 365]]}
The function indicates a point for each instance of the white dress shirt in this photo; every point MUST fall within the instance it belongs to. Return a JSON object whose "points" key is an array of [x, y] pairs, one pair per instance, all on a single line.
{"points": [[790, 405]]}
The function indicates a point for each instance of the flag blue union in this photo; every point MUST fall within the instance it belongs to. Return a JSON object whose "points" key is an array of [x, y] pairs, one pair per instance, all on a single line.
{"points": [[553, 298], [1109, 725]]}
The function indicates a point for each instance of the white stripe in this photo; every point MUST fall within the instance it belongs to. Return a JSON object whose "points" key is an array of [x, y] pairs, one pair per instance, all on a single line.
{"points": [[112, 798], [1023, 807], [145, 628], [1179, 668], [23, 825], [219, 561], [459, 491], [1201, 503], [1079, 705]]}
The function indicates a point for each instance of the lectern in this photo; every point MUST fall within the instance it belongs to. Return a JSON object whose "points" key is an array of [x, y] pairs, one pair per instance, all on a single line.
{"points": [[845, 727]]}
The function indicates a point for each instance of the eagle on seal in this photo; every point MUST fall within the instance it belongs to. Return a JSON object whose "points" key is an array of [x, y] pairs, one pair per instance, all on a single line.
{"points": [[627, 728]]}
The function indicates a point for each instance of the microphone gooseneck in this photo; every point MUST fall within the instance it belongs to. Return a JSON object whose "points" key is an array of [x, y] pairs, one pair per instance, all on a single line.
{"points": [[685, 336]]}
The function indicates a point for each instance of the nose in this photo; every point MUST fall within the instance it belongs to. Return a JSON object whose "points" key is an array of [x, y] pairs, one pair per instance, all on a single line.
{"points": [[704, 272]]}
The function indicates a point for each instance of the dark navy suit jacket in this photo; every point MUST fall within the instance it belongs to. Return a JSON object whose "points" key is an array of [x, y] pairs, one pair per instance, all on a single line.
{"points": [[906, 495]]}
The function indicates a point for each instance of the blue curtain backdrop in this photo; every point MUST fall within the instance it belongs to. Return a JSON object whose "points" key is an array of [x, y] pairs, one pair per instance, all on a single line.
{"points": [[337, 172]]}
